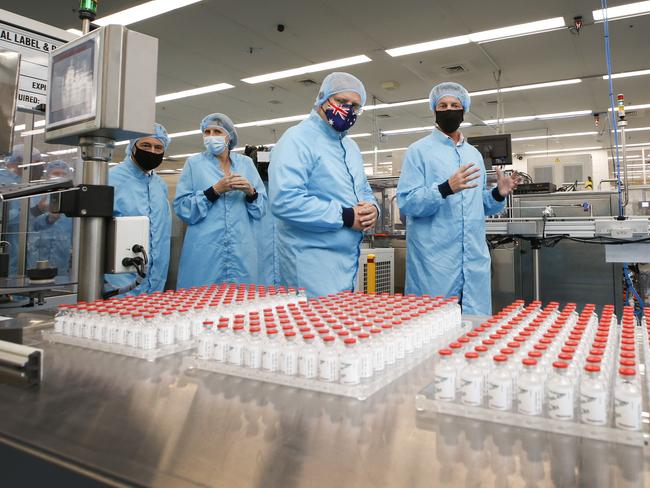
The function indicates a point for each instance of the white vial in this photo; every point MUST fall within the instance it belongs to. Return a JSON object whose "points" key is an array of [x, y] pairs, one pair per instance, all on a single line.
{"points": [[400, 340], [236, 346], [593, 397], [271, 352], [365, 357], [183, 329], [350, 363], [166, 335], [253, 349], [289, 355], [627, 401], [308, 358], [389, 344], [134, 338], [560, 393], [149, 333], [378, 350], [206, 341], [328, 361], [471, 381], [221, 340], [530, 389], [445, 377], [499, 388]]}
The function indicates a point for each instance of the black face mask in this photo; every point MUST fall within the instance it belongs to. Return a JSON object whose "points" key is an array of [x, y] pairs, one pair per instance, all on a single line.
{"points": [[147, 160], [449, 120]]}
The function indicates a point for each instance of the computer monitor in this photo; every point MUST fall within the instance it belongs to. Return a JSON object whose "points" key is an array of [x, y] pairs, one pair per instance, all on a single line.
{"points": [[102, 84], [496, 149], [73, 89]]}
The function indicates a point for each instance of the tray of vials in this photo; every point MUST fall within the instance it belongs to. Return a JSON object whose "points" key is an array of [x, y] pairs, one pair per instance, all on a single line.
{"points": [[548, 369], [349, 344], [157, 325]]}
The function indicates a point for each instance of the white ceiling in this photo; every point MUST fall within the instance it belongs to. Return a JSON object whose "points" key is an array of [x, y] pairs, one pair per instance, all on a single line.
{"points": [[225, 40]]}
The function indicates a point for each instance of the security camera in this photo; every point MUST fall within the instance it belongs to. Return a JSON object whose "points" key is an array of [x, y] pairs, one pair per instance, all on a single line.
{"points": [[519, 156], [280, 27]]}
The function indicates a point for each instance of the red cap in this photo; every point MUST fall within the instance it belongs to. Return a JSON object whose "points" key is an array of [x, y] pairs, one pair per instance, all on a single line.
{"points": [[529, 362], [471, 355], [500, 358], [592, 368], [445, 352], [560, 365], [350, 340], [627, 372]]}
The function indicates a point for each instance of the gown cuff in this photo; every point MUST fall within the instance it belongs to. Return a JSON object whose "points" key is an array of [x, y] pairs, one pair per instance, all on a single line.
{"points": [[348, 216], [496, 195], [445, 189], [211, 195]]}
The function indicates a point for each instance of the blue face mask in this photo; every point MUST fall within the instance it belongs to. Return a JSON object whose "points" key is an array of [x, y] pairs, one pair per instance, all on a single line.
{"points": [[340, 117], [215, 144]]}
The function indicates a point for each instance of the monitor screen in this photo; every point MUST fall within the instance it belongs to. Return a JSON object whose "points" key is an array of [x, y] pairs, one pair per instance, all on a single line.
{"points": [[73, 84], [496, 150]]}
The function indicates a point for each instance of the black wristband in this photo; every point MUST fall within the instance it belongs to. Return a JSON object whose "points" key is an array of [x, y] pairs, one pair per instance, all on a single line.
{"points": [[211, 195], [348, 216], [445, 189], [252, 198], [496, 195]]}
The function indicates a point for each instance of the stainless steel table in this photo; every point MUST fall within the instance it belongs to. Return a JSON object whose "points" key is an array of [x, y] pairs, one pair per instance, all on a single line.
{"points": [[151, 424]]}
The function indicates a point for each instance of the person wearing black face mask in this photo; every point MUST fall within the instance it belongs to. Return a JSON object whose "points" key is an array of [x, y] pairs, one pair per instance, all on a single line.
{"points": [[139, 191], [442, 191]]}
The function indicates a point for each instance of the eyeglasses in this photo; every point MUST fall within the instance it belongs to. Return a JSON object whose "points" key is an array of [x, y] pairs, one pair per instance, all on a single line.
{"points": [[356, 108], [155, 148]]}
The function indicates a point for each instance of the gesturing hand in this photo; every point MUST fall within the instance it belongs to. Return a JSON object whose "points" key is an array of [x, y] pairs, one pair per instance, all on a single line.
{"points": [[507, 183], [462, 178]]}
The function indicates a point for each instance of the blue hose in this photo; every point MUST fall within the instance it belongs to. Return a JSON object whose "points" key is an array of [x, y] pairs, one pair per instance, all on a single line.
{"points": [[614, 124]]}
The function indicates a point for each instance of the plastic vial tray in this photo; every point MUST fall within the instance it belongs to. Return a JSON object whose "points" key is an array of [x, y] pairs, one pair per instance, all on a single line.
{"points": [[361, 391], [148, 354], [425, 402]]}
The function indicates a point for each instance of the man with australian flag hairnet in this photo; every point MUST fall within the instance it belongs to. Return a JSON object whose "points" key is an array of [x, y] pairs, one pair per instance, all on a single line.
{"points": [[320, 194]]}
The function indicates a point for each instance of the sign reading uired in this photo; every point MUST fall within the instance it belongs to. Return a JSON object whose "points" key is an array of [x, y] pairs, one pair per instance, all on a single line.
{"points": [[34, 50]]}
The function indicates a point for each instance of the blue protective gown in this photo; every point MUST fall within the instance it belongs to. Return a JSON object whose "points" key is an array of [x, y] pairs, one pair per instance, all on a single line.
{"points": [[140, 194], [314, 173], [51, 241], [266, 236], [219, 244], [447, 253]]}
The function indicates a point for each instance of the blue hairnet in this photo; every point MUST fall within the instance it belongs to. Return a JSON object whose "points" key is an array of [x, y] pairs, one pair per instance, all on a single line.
{"points": [[160, 133], [337, 83], [449, 89], [58, 164], [16, 155], [223, 122]]}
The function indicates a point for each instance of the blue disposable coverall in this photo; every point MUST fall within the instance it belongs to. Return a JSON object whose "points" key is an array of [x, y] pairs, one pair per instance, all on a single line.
{"points": [[447, 253], [314, 173], [220, 242]]}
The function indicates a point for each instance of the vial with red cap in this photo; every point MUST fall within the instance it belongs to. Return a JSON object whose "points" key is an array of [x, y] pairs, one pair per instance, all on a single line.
{"points": [[560, 393], [253, 349], [328, 361], [499, 385], [471, 387], [627, 401], [594, 398], [530, 389], [350, 363], [444, 377], [308, 357], [289, 354]]}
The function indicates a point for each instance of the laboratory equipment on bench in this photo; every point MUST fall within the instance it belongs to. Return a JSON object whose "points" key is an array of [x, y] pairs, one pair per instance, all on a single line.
{"points": [[102, 89]]}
